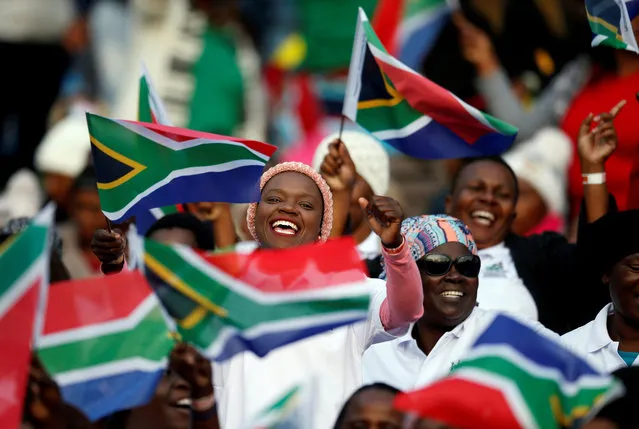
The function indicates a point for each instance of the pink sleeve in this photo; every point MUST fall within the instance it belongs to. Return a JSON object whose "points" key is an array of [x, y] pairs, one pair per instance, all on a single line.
{"points": [[404, 303]]}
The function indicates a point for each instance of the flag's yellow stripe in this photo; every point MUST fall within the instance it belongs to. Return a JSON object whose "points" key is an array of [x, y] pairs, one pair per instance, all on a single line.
{"points": [[395, 99], [177, 283], [137, 167]]}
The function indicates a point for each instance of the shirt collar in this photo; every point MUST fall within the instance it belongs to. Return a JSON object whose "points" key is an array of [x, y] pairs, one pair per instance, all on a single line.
{"points": [[457, 331], [599, 337]]}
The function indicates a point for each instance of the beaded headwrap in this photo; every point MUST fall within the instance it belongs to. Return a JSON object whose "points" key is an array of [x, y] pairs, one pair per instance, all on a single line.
{"points": [[297, 167], [426, 232]]}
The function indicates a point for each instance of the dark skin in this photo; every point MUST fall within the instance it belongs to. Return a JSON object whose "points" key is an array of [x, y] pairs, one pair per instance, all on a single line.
{"points": [[484, 199], [442, 314], [531, 208], [189, 375], [623, 324], [347, 187], [372, 409]]}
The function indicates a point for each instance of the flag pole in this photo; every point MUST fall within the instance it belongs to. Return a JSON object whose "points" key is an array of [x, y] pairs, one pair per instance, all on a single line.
{"points": [[108, 224], [341, 127]]}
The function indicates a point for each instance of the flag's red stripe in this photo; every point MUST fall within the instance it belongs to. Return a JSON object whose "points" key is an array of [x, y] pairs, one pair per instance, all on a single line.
{"points": [[16, 332], [77, 303], [386, 21], [183, 134], [302, 268], [431, 99], [482, 407]]}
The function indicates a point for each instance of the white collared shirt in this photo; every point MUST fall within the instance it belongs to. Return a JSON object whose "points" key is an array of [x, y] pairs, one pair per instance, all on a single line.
{"points": [[500, 287], [246, 384], [402, 364], [371, 247], [593, 341]]}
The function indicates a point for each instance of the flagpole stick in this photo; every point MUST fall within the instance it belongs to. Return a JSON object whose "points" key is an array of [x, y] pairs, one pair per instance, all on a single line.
{"points": [[108, 224], [341, 127]]}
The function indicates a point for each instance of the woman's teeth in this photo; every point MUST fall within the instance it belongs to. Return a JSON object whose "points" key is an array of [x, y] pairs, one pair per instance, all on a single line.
{"points": [[184, 403], [483, 217], [284, 227], [452, 294]]}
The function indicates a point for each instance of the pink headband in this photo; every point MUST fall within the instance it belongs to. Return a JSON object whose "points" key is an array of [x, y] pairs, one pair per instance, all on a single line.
{"points": [[297, 167]]}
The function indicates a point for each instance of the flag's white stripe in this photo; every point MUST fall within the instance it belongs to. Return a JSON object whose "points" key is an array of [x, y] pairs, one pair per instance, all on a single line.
{"points": [[511, 392], [23, 283], [45, 218], [273, 327], [597, 40], [109, 369], [154, 100], [177, 146], [158, 213], [100, 329], [475, 113], [185, 172], [421, 19], [392, 61], [333, 292], [569, 388], [408, 130]]}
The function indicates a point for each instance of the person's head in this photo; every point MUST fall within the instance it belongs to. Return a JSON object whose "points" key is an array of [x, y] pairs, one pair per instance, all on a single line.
{"points": [[446, 255], [372, 164], [483, 195], [295, 207], [620, 412], [164, 411], [613, 243], [370, 407], [541, 165], [182, 228], [85, 205], [62, 156]]}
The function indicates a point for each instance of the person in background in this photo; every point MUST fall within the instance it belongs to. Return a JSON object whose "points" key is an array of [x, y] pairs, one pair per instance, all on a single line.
{"points": [[446, 255], [540, 165], [184, 397], [85, 218], [370, 406], [357, 166], [611, 340], [60, 158], [503, 98], [22, 196], [536, 276]]}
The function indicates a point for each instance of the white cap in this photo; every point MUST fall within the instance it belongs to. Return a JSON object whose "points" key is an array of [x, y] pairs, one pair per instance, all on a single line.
{"points": [[65, 149], [543, 162], [368, 154]]}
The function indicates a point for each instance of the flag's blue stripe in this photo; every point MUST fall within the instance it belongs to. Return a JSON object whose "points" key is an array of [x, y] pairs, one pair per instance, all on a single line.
{"points": [[633, 9], [435, 141], [537, 348], [143, 221], [418, 45], [104, 396], [239, 185], [262, 345]]}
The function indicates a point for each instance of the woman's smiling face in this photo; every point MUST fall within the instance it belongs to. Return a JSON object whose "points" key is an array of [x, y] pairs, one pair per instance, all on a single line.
{"points": [[289, 212]]}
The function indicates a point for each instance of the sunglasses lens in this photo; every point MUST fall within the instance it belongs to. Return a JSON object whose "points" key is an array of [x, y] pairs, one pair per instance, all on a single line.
{"points": [[468, 266], [437, 265]]}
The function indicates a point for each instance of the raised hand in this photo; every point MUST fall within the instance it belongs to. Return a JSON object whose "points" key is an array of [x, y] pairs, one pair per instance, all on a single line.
{"points": [[476, 46], [194, 368], [595, 145], [384, 216], [338, 168], [108, 246]]}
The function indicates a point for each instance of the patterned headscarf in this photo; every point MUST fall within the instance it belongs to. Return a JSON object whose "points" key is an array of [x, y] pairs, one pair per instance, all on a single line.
{"points": [[425, 233], [17, 225], [297, 167]]}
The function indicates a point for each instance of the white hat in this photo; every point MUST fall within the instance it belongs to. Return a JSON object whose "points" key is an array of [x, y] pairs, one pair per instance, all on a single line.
{"points": [[543, 162], [369, 156], [65, 148]]}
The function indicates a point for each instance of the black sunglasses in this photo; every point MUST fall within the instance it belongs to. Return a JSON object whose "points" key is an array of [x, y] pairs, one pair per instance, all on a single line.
{"points": [[439, 265]]}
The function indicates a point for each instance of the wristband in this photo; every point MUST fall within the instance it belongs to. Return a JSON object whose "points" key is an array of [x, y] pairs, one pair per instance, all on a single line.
{"points": [[594, 178], [396, 250]]}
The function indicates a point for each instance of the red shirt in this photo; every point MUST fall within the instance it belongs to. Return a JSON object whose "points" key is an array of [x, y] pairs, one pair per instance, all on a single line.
{"points": [[601, 95]]}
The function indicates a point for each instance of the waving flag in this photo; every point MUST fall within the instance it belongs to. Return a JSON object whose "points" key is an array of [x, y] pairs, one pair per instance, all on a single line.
{"points": [[151, 109], [234, 302], [413, 114], [409, 28], [142, 166], [24, 264], [611, 23], [293, 410], [514, 377], [105, 342]]}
